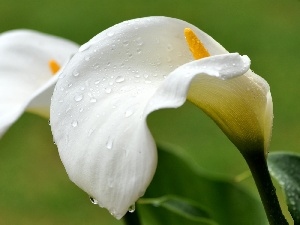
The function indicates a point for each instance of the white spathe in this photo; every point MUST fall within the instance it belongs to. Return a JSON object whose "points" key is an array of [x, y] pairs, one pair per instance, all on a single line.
{"points": [[26, 81], [100, 104]]}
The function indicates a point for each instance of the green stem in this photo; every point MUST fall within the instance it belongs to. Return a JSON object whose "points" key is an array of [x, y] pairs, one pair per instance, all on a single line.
{"points": [[132, 218], [258, 165]]}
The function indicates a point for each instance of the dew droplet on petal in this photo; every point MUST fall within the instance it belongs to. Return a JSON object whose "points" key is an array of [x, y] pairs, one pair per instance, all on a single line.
{"points": [[170, 47], [94, 201], [131, 208], [78, 97], [110, 34], [93, 100], [113, 212], [75, 73], [125, 43], [96, 66], [74, 123], [107, 90], [128, 113], [90, 132], [109, 143], [139, 41], [120, 79], [129, 55]]}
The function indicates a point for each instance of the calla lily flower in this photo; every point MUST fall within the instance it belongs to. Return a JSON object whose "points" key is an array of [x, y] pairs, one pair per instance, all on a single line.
{"points": [[100, 105], [29, 62]]}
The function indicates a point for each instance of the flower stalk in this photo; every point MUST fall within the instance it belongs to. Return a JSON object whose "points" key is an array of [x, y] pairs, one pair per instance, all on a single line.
{"points": [[257, 163]]}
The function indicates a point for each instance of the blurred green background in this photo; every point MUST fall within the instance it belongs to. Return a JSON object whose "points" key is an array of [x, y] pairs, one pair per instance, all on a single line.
{"points": [[34, 188]]}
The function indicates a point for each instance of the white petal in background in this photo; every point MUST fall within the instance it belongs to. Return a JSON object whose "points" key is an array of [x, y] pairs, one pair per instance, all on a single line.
{"points": [[26, 80], [103, 96]]}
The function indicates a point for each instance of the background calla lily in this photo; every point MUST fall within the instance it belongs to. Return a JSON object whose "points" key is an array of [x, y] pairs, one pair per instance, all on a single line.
{"points": [[100, 105], [26, 78]]}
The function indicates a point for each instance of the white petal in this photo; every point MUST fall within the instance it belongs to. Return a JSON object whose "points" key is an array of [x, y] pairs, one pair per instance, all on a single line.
{"points": [[24, 71], [99, 122]]}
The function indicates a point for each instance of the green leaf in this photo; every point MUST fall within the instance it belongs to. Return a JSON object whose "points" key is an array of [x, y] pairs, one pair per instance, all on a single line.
{"points": [[285, 168], [183, 207], [225, 201]]}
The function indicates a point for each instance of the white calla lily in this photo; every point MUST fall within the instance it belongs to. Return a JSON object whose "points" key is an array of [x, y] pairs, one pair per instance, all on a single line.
{"points": [[100, 104], [26, 78]]}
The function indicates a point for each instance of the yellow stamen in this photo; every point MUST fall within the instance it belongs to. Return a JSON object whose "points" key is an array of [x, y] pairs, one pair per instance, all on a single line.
{"points": [[54, 66], [195, 45]]}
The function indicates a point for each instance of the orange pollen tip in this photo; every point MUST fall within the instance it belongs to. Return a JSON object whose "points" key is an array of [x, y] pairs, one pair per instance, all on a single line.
{"points": [[196, 47], [54, 66]]}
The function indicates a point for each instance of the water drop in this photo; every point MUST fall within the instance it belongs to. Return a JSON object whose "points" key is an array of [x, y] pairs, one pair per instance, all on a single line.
{"points": [[113, 212], [78, 97], [75, 73], [110, 34], [125, 43], [120, 79], [93, 100], [90, 132], [94, 201], [131, 208], [68, 109], [107, 90], [128, 113], [109, 143], [49, 122], [139, 41], [169, 47], [96, 66], [74, 123]]}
